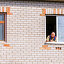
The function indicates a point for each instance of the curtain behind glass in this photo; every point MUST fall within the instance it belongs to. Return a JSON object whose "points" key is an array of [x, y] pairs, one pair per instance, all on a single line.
{"points": [[60, 28]]}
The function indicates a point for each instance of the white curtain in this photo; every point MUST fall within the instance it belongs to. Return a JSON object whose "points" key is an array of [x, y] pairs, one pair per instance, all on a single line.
{"points": [[60, 28]]}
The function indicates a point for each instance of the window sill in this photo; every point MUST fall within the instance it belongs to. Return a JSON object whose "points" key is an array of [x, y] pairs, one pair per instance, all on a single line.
{"points": [[56, 43]]}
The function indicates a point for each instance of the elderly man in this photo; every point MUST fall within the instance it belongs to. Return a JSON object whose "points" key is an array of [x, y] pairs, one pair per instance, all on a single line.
{"points": [[51, 38]]}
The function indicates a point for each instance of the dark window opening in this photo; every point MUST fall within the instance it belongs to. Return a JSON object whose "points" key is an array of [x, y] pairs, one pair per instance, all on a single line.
{"points": [[50, 25]]}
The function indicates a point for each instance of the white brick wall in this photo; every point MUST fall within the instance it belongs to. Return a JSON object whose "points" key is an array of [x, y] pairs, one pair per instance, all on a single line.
{"points": [[26, 33]]}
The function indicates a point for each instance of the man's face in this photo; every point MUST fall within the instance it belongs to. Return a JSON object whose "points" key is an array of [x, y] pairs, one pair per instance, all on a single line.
{"points": [[52, 35]]}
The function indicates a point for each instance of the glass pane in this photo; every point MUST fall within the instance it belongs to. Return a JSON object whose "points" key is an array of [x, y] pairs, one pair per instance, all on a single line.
{"points": [[1, 31], [61, 28], [1, 17]]}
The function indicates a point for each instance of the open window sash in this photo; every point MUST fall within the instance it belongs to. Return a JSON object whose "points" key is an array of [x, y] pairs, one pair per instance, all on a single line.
{"points": [[60, 28]]}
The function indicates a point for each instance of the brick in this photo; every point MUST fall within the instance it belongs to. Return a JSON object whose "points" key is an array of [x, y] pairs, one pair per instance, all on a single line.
{"points": [[8, 11], [54, 11], [57, 11], [43, 12], [58, 48], [61, 11], [10, 47], [6, 45], [44, 46], [48, 48], [2, 9]]}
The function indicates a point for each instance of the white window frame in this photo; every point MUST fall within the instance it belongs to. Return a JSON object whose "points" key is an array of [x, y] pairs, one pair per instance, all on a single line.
{"points": [[56, 31]]}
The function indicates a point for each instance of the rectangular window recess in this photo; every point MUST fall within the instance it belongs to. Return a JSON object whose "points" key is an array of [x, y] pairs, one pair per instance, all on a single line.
{"points": [[55, 23]]}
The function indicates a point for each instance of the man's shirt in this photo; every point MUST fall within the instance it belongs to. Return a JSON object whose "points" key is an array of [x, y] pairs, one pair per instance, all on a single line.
{"points": [[48, 39]]}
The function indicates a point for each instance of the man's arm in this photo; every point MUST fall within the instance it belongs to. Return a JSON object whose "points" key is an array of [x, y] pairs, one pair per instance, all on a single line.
{"points": [[56, 39], [47, 39]]}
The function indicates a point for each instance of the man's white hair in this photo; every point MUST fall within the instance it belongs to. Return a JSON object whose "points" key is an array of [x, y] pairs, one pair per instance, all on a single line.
{"points": [[53, 32]]}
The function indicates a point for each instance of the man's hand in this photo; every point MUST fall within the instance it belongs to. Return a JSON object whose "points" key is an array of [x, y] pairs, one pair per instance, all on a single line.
{"points": [[51, 40], [47, 40]]}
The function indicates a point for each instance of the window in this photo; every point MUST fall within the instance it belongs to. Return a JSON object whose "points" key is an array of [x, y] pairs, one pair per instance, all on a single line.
{"points": [[2, 25], [55, 23]]}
